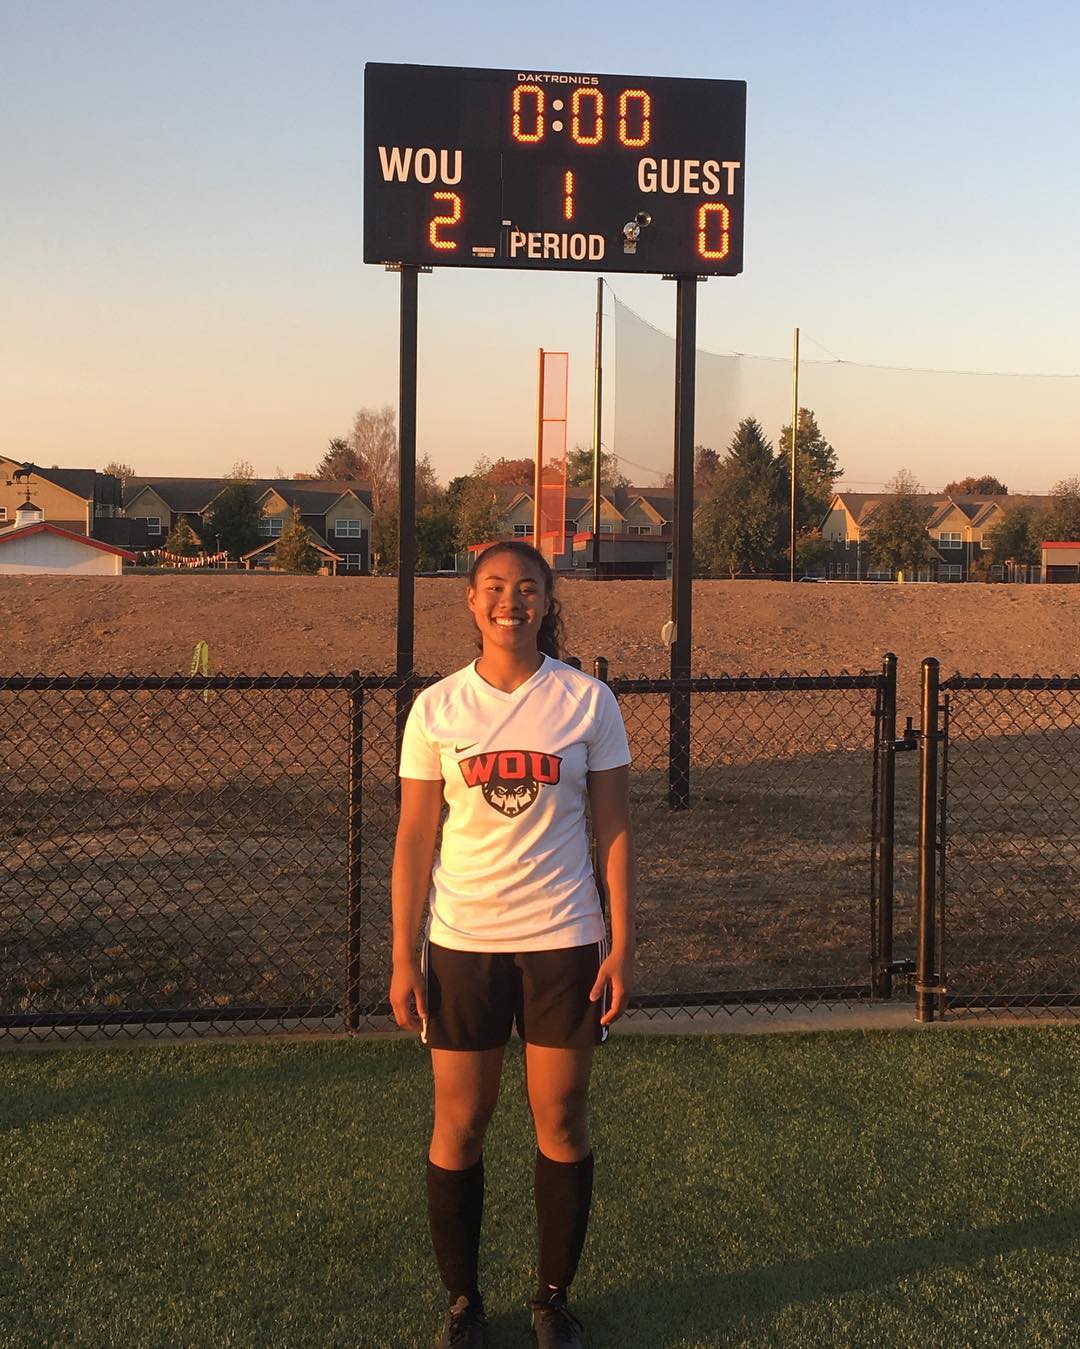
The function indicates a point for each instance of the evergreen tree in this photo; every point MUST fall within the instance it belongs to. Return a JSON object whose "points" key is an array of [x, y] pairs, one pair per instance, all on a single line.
{"points": [[817, 470], [295, 552], [234, 516], [340, 463], [740, 524], [182, 540]]}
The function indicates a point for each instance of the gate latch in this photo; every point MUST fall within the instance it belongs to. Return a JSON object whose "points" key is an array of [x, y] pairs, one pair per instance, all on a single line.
{"points": [[909, 740]]}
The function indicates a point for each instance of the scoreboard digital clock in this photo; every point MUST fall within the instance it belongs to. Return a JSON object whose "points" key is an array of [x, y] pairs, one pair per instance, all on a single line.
{"points": [[540, 170]]}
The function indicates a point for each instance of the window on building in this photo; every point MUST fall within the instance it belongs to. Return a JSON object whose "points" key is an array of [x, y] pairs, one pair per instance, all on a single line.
{"points": [[352, 560], [950, 539], [607, 529], [3, 512], [348, 529], [639, 529], [879, 574], [270, 529], [950, 571], [152, 523], [522, 531]]}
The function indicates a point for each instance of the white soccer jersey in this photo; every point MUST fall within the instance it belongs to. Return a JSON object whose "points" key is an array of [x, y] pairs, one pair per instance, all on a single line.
{"points": [[514, 871]]}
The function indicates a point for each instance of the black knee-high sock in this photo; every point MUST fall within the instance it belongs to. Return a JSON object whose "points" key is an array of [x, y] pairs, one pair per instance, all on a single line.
{"points": [[455, 1204], [563, 1199]]}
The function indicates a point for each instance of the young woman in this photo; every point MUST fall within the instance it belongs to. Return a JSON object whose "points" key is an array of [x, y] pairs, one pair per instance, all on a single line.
{"points": [[513, 744]]}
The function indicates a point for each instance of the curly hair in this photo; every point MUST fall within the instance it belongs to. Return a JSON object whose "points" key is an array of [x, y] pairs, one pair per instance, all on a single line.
{"points": [[549, 639]]}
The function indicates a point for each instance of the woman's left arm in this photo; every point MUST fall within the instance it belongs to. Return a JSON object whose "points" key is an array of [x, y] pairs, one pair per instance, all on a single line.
{"points": [[609, 800]]}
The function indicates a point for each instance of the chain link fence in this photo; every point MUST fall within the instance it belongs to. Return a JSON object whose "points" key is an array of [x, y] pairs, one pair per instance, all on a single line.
{"points": [[1009, 842], [214, 853]]}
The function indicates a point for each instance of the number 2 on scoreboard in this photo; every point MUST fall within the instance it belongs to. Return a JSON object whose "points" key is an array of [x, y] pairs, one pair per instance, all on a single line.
{"points": [[451, 218]]}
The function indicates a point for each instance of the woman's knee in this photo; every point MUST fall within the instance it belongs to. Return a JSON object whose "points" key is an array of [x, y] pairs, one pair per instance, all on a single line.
{"points": [[562, 1124]]}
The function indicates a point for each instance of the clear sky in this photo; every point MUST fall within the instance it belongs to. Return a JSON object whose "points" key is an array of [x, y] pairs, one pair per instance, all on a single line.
{"points": [[181, 280]]}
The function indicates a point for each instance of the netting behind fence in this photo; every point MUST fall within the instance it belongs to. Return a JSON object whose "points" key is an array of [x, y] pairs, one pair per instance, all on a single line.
{"points": [[878, 418]]}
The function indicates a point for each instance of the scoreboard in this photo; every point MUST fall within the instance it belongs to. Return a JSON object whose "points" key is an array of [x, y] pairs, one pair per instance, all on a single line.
{"points": [[539, 170]]}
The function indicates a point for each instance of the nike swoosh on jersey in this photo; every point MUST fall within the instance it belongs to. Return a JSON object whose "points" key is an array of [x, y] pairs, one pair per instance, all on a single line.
{"points": [[460, 749]]}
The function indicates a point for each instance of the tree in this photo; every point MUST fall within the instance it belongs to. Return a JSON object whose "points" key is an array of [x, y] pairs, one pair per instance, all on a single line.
{"points": [[241, 471], [1061, 522], [817, 470], [475, 509], [295, 552], [374, 439], [428, 488], [435, 529], [811, 551], [514, 473], [340, 462], [182, 540], [1013, 539], [740, 523], [896, 532], [706, 463], [987, 485], [579, 469], [121, 471], [384, 539], [234, 517], [738, 526]]}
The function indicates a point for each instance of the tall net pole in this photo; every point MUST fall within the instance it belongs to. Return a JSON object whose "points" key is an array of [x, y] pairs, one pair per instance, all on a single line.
{"points": [[598, 393], [794, 447]]}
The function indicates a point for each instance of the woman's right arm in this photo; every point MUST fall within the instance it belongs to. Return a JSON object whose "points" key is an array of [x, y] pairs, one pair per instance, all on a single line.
{"points": [[414, 853]]}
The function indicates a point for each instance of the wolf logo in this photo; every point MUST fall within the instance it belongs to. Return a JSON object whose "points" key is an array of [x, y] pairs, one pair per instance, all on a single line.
{"points": [[511, 778]]}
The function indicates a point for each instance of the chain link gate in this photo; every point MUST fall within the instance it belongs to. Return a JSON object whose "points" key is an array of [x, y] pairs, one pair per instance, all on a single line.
{"points": [[1000, 845], [767, 883]]}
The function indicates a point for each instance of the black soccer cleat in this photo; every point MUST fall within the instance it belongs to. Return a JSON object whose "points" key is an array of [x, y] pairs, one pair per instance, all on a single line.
{"points": [[555, 1326], [464, 1327]]}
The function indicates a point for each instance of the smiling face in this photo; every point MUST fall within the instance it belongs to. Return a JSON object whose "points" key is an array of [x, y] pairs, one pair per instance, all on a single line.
{"points": [[508, 602]]}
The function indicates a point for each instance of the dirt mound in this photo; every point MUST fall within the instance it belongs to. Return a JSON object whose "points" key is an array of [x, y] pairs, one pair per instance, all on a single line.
{"points": [[254, 623]]}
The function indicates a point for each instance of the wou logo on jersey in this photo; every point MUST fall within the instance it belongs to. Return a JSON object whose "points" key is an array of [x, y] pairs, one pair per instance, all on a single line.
{"points": [[510, 778]]}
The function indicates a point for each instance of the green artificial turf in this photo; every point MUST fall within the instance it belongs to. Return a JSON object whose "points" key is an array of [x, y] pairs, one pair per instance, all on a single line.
{"points": [[863, 1189]]}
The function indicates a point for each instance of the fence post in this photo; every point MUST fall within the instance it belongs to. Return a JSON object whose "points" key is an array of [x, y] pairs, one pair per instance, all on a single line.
{"points": [[926, 981], [353, 849], [882, 976]]}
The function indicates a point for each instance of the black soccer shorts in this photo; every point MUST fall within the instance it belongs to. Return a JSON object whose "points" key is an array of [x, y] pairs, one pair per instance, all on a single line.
{"points": [[475, 997]]}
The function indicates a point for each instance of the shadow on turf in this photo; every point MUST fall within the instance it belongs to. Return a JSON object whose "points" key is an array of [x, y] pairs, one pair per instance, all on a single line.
{"points": [[702, 1308], [136, 1085]]}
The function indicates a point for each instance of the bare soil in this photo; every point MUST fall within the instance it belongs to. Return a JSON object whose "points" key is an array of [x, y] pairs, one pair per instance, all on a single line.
{"points": [[284, 624]]}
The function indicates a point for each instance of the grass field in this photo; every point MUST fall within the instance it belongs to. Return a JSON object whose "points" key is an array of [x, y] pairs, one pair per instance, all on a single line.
{"points": [[863, 1189]]}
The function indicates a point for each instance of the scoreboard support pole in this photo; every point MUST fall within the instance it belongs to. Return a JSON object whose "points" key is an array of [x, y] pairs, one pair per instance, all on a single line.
{"points": [[598, 394], [682, 542], [406, 578]]}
